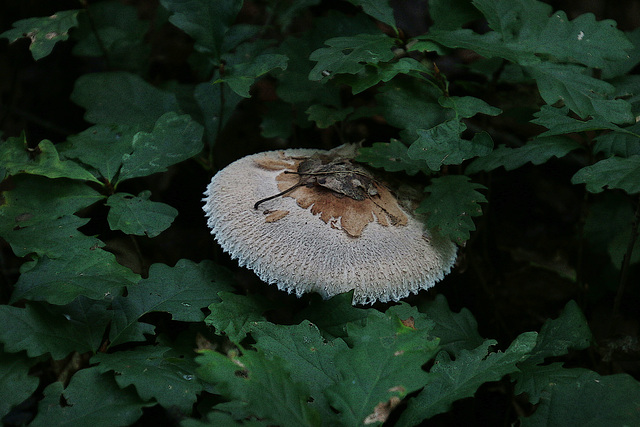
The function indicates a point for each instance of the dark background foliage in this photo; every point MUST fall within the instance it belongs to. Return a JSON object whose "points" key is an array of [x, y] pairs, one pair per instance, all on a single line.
{"points": [[527, 258]]}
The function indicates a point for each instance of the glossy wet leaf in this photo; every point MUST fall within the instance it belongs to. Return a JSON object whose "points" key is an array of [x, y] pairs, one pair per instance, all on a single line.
{"points": [[183, 290], [155, 374]]}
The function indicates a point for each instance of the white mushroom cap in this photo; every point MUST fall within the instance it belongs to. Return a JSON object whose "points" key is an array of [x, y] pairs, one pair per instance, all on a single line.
{"points": [[302, 243]]}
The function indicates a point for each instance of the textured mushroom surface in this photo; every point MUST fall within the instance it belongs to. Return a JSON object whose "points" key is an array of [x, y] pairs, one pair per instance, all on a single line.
{"points": [[335, 228]]}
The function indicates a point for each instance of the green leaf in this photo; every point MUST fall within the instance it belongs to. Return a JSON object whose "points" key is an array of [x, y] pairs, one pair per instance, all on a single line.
{"points": [[36, 216], [538, 151], [89, 319], [534, 379], [583, 94], [332, 316], [411, 105], [101, 147], [451, 14], [569, 330], [488, 45], [558, 121], [89, 272], [139, 215], [183, 291], [351, 54], [173, 140], [286, 12], [216, 103], [377, 9], [391, 156], [113, 30], [325, 116], [171, 381], [624, 66], [57, 238], [122, 98], [456, 331], [468, 106], [241, 77], [43, 32], [608, 227], [584, 40], [526, 32], [443, 145], [236, 315], [105, 405], [40, 329], [206, 22], [306, 355], [611, 173], [220, 418], [43, 160], [383, 72], [451, 204], [246, 378], [16, 385], [623, 143], [582, 397], [383, 365], [456, 379]]}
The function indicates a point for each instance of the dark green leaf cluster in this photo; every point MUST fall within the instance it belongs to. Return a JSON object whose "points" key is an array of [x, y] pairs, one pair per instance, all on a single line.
{"points": [[119, 336]]}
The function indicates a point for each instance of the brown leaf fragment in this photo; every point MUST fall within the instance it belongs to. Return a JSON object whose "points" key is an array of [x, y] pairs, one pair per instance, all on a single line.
{"points": [[323, 189], [270, 163], [340, 175], [409, 323], [382, 410], [273, 216]]}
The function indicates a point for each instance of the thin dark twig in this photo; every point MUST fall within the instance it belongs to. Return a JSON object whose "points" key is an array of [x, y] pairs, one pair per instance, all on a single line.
{"points": [[259, 202], [99, 41]]}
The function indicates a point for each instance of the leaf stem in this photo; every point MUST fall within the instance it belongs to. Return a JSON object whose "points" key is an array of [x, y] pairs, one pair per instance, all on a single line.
{"points": [[626, 261]]}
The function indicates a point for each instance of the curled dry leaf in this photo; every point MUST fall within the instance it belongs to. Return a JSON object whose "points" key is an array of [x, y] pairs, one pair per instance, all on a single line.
{"points": [[311, 220]]}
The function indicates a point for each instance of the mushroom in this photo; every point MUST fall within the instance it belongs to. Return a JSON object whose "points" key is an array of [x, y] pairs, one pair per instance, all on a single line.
{"points": [[316, 221]]}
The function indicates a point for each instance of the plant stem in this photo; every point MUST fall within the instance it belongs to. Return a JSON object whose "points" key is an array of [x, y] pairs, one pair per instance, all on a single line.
{"points": [[626, 261]]}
